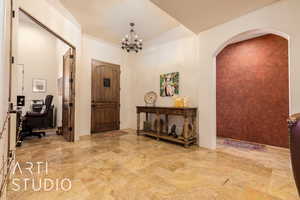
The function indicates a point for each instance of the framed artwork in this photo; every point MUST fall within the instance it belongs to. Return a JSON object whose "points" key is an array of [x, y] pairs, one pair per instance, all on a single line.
{"points": [[169, 84], [39, 85]]}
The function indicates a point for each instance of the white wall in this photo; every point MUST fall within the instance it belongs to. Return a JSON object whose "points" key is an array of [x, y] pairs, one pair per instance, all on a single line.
{"points": [[4, 81], [39, 59], [52, 18], [180, 56], [42, 59], [197, 71], [177, 56], [87, 48], [3, 67], [96, 49], [283, 16]]}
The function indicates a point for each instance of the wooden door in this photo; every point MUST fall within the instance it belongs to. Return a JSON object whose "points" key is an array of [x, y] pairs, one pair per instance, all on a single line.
{"points": [[105, 97], [68, 96]]}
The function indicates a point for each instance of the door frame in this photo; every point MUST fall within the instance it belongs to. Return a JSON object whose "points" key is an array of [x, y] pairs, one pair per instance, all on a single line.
{"points": [[93, 61], [49, 30], [72, 92]]}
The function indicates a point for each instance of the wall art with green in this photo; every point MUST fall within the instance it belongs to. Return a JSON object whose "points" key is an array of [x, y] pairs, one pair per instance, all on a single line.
{"points": [[169, 84]]}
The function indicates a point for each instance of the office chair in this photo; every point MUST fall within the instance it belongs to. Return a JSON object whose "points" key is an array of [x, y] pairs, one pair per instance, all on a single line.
{"points": [[38, 120]]}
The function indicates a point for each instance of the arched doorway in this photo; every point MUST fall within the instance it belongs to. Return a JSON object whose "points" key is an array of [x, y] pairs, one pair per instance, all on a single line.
{"points": [[252, 87]]}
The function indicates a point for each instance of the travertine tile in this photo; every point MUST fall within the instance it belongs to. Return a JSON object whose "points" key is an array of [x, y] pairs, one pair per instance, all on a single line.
{"points": [[129, 167]]}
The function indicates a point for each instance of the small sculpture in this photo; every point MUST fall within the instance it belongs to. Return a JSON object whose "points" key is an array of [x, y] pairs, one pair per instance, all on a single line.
{"points": [[173, 131]]}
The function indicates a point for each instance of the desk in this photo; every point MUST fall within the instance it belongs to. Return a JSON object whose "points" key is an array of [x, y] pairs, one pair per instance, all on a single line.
{"points": [[189, 135]]}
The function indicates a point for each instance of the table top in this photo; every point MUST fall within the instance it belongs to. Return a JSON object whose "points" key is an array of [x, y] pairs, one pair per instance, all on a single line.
{"points": [[173, 108]]}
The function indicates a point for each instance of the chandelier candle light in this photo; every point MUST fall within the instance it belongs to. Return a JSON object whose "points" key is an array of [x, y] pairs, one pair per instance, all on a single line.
{"points": [[131, 42]]}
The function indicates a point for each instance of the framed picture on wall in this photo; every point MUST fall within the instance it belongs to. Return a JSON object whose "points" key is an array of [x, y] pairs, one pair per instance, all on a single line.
{"points": [[39, 85], [169, 84]]}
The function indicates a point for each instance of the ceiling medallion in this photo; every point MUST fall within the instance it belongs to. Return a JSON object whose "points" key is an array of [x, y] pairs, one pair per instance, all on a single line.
{"points": [[131, 42]]}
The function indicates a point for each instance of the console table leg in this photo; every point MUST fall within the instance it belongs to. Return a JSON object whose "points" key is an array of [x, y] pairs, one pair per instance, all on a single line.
{"points": [[194, 131], [186, 131], [186, 128], [138, 123], [195, 135], [167, 124]]}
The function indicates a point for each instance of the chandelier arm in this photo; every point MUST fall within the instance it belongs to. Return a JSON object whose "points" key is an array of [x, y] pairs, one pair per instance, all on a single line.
{"points": [[131, 42]]}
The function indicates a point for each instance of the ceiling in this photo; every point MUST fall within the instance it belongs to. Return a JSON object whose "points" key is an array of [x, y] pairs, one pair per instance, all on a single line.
{"points": [[63, 11], [200, 15], [109, 19]]}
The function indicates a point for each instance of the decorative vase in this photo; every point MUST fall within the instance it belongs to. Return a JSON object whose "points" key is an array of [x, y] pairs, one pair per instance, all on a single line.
{"points": [[294, 132], [178, 102]]}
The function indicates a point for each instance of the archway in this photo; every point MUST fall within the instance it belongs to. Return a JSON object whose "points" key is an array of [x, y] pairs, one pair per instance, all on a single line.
{"points": [[252, 102]]}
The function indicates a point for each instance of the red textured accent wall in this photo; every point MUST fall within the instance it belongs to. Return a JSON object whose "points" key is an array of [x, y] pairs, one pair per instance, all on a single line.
{"points": [[253, 91]]}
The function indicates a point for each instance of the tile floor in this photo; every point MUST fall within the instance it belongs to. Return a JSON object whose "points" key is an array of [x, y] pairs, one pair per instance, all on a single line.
{"points": [[127, 167]]}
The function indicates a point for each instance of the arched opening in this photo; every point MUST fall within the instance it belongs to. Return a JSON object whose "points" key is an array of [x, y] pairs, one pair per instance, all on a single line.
{"points": [[252, 87]]}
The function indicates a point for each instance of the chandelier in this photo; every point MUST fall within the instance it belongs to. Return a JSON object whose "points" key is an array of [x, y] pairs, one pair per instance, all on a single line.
{"points": [[131, 42]]}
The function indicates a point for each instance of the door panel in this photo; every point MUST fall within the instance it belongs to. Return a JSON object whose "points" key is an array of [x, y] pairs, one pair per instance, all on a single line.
{"points": [[68, 101], [105, 97]]}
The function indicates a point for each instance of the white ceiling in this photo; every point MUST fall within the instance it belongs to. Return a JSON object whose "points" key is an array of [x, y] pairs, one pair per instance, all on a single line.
{"points": [[200, 15], [63, 11], [109, 19]]}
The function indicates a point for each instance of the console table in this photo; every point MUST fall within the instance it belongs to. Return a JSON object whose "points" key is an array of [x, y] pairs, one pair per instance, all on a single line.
{"points": [[189, 136]]}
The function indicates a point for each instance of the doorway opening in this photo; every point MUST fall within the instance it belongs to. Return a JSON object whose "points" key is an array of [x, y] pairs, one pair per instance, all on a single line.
{"points": [[42, 80], [105, 105], [252, 89]]}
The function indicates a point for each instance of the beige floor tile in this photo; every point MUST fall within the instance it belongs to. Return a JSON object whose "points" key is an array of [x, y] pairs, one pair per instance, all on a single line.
{"points": [[128, 167]]}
